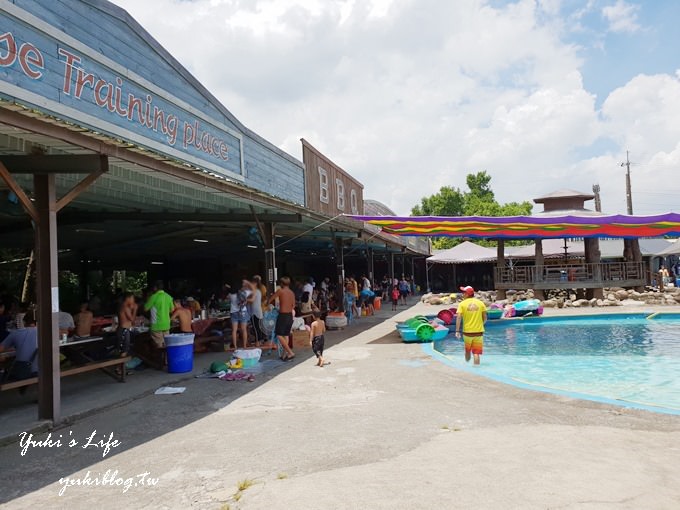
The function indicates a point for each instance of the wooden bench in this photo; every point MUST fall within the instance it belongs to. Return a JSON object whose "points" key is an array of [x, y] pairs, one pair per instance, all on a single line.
{"points": [[88, 367]]}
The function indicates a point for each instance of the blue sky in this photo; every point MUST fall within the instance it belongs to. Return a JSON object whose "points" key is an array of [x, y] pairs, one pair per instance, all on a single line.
{"points": [[611, 59], [412, 95]]}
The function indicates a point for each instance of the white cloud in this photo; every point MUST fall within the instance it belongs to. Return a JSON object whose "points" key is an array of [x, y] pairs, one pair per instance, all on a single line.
{"points": [[622, 16], [412, 95]]}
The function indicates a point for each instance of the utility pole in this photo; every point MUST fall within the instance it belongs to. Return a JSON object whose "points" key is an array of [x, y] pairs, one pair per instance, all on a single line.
{"points": [[629, 197], [596, 192]]}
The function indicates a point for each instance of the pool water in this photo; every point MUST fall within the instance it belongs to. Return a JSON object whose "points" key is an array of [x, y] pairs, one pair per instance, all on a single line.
{"points": [[613, 357]]}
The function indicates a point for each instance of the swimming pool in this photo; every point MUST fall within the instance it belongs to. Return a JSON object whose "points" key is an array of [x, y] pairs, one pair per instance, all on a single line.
{"points": [[627, 359]]}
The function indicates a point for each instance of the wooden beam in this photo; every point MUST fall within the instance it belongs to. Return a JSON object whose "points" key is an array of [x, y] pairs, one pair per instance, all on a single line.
{"points": [[19, 192], [79, 188], [260, 228], [500, 264], [76, 218], [55, 163], [47, 291]]}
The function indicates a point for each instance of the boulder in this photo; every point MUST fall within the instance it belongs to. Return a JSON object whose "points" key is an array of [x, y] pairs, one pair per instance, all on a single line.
{"points": [[549, 303], [435, 301], [621, 294], [600, 302], [592, 302], [611, 297]]}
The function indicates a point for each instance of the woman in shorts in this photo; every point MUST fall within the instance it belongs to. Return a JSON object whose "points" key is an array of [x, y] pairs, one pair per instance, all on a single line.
{"points": [[239, 297]]}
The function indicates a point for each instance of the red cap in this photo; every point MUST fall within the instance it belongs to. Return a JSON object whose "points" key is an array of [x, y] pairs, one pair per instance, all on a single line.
{"points": [[468, 291]]}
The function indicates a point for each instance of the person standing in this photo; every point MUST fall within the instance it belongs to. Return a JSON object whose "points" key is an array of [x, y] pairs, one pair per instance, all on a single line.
{"points": [[257, 280], [183, 315], [127, 313], [284, 321], [472, 312], [83, 321], [159, 305], [240, 297], [403, 290], [256, 314]]}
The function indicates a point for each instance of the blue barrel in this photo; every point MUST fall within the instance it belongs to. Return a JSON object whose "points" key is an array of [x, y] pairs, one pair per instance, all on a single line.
{"points": [[677, 282], [180, 350]]}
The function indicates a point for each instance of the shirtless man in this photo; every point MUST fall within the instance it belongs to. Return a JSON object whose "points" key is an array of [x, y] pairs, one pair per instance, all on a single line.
{"points": [[127, 313], [284, 321], [83, 321], [184, 315]]}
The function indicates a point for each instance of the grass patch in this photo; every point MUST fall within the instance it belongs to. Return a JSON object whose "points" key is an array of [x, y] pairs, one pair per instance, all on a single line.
{"points": [[245, 484], [225, 506], [282, 476]]}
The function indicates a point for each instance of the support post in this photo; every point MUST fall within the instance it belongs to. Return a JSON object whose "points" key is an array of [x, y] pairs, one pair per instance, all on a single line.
{"points": [[47, 292], [500, 264], [340, 287], [592, 256], [371, 268], [427, 277], [269, 256], [632, 253], [539, 262], [392, 265]]}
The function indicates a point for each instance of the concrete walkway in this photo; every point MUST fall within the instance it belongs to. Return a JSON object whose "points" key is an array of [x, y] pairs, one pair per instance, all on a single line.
{"points": [[383, 426]]}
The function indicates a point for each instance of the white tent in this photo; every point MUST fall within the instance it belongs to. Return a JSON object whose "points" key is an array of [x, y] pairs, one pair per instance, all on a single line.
{"points": [[672, 249], [464, 253]]}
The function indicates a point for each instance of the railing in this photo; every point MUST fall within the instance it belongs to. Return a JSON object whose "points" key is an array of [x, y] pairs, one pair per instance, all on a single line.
{"points": [[604, 274]]}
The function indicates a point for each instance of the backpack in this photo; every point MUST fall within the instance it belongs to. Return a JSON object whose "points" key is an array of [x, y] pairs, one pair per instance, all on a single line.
{"points": [[395, 293]]}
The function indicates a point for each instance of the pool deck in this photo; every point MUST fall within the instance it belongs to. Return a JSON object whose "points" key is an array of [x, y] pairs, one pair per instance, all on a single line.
{"points": [[383, 426]]}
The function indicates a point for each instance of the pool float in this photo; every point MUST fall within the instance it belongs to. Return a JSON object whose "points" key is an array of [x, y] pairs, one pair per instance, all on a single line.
{"points": [[526, 307], [447, 316], [494, 313], [419, 329]]}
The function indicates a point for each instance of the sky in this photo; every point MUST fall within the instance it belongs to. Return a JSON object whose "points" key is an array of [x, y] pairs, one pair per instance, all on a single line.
{"points": [[411, 95]]}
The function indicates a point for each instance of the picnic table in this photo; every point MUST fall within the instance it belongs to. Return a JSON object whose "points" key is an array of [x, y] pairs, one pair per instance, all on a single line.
{"points": [[78, 350]]}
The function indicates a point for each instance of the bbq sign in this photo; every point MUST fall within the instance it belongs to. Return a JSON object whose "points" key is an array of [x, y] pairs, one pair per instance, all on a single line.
{"points": [[55, 73]]}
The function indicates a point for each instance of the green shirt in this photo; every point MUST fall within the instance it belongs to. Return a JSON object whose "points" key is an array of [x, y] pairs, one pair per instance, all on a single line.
{"points": [[160, 304]]}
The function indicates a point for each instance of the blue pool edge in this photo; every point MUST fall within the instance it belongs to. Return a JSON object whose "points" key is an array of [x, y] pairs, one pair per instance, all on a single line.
{"points": [[433, 353]]}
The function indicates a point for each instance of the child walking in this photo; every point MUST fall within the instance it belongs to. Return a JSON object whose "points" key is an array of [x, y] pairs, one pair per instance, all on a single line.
{"points": [[395, 297], [316, 331]]}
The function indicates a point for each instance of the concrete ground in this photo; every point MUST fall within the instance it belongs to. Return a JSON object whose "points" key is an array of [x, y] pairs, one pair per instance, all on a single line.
{"points": [[382, 426]]}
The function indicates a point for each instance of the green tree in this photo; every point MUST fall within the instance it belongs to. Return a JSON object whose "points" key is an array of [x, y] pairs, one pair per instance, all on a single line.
{"points": [[449, 201], [479, 186], [478, 200]]}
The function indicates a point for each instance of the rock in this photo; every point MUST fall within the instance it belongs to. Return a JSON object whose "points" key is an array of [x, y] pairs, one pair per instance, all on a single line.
{"points": [[621, 294], [592, 302], [426, 297], [568, 303], [435, 301], [572, 297], [611, 297], [600, 302], [581, 302], [549, 303], [510, 292]]}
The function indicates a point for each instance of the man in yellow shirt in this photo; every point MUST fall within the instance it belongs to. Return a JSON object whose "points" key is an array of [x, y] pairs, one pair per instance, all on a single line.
{"points": [[472, 312]]}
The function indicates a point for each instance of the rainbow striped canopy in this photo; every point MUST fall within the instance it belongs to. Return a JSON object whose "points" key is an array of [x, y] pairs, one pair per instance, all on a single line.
{"points": [[529, 227]]}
